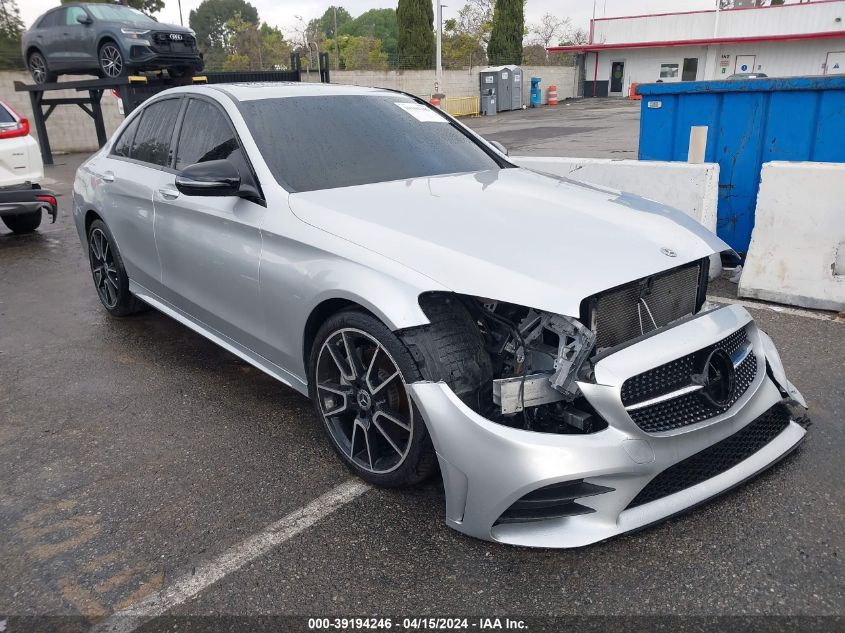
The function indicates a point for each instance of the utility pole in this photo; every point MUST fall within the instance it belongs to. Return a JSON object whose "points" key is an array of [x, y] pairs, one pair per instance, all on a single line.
{"points": [[336, 36], [180, 13], [438, 73]]}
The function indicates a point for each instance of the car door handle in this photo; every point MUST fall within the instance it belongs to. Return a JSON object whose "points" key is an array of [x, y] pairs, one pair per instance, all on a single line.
{"points": [[108, 176], [169, 194]]}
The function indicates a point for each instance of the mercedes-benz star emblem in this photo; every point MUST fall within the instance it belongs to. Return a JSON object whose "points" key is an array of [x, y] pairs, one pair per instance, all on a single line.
{"points": [[718, 378], [668, 252]]}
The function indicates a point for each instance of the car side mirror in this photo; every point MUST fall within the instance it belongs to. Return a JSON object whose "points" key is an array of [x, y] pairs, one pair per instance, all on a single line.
{"points": [[212, 178], [84, 19], [499, 147]]}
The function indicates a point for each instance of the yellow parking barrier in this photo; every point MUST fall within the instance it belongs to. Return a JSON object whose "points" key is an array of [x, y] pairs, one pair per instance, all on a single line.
{"points": [[463, 106]]}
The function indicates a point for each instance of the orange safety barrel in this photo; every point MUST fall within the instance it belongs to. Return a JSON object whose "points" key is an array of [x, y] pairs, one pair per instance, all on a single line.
{"points": [[435, 101], [632, 93], [552, 94]]}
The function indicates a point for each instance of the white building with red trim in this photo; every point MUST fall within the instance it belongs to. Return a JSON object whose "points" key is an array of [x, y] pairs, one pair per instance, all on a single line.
{"points": [[780, 41]]}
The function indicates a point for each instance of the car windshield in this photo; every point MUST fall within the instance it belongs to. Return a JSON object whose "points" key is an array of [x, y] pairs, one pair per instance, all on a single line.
{"points": [[324, 142], [118, 13]]}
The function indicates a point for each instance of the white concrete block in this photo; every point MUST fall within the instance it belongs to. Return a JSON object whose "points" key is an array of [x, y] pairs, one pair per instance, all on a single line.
{"points": [[798, 237], [693, 189]]}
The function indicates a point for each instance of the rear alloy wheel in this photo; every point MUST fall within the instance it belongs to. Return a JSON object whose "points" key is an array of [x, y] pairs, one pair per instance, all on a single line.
{"points": [[110, 277], [23, 222], [39, 71], [358, 383], [111, 61]]}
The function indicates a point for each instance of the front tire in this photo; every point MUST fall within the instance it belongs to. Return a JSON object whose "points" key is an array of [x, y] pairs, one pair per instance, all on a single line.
{"points": [[23, 222], [110, 278], [358, 376], [111, 62]]}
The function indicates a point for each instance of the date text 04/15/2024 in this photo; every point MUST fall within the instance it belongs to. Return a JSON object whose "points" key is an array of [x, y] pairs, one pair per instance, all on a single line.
{"points": [[416, 624]]}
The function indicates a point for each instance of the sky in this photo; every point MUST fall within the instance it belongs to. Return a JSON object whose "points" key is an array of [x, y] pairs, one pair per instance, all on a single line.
{"points": [[281, 12]]}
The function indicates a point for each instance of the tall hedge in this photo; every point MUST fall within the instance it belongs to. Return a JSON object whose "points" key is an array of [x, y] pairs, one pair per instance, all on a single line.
{"points": [[505, 45], [415, 19]]}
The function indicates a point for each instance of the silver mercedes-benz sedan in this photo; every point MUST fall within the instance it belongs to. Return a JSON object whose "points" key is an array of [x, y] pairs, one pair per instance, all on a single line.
{"points": [[548, 346]]}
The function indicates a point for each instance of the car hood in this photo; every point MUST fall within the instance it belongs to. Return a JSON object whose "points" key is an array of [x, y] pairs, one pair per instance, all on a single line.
{"points": [[511, 234]]}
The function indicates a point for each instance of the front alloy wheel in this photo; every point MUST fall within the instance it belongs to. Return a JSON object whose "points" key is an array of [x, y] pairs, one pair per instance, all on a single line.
{"points": [[358, 382], [364, 401], [111, 60]]}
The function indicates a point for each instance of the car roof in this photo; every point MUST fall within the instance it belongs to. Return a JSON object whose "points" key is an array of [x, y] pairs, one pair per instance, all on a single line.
{"points": [[276, 90]]}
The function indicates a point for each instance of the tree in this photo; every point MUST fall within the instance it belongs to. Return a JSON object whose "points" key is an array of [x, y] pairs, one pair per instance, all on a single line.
{"points": [[11, 27], [506, 37], [209, 21], [362, 53], [377, 23], [326, 23], [476, 20], [460, 50], [550, 30], [415, 21], [147, 6]]}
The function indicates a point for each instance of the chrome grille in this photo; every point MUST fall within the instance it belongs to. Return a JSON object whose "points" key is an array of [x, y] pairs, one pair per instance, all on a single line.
{"points": [[642, 306], [692, 407]]}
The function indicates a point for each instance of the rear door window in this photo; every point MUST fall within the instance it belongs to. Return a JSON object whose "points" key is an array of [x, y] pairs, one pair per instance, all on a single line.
{"points": [[123, 146], [155, 132]]}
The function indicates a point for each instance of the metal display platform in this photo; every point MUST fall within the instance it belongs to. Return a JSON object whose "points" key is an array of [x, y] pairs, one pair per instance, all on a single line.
{"points": [[134, 90]]}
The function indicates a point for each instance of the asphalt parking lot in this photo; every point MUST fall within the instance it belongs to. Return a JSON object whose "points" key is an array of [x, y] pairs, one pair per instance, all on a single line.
{"points": [[134, 455]]}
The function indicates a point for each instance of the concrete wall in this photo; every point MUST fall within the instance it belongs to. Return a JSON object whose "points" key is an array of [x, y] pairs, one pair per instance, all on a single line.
{"points": [[797, 251], [456, 83], [693, 189], [69, 128]]}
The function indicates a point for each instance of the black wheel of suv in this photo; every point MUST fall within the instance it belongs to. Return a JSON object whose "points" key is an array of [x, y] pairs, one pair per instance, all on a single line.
{"points": [[23, 222], [39, 70], [111, 60], [358, 374], [109, 274]]}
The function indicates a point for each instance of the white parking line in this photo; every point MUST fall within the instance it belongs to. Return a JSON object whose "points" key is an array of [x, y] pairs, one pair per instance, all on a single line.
{"points": [[232, 560], [807, 314]]}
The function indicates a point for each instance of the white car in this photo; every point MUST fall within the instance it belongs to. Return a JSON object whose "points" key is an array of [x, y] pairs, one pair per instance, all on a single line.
{"points": [[22, 201], [547, 344]]}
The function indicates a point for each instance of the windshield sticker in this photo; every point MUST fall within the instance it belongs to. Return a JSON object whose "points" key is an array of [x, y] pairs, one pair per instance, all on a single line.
{"points": [[421, 112]]}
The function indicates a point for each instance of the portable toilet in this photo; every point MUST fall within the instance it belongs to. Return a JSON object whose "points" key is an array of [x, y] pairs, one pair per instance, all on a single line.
{"points": [[536, 93], [500, 78], [516, 87]]}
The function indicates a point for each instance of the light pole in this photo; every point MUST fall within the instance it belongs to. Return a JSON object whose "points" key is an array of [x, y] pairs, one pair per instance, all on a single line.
{"points": [[438, 72], [180, 14]]}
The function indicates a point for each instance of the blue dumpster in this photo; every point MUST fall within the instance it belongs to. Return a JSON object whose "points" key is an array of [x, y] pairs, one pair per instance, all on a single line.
{"points": [[536, 94], [750, 122]]}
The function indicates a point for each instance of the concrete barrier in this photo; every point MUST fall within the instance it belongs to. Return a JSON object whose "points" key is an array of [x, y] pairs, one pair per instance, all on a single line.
{"points": [[797, 251], [693, 189]]}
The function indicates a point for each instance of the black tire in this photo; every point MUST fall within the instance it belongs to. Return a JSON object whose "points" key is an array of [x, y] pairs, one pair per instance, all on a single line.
{"points": [[40, 71], [110, 60], [113, 285], [419, 461], [23, 222]]}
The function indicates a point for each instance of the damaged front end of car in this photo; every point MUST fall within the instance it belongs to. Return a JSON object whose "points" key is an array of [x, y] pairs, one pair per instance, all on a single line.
{"points": [[559, 431]]}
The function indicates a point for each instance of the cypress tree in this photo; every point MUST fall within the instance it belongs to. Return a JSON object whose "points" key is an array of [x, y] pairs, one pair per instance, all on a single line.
{"points": [[505, 45], [415, 19]]}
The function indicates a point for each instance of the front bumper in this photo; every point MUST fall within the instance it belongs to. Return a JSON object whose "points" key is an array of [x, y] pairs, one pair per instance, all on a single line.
{"points": [[487, 467]]}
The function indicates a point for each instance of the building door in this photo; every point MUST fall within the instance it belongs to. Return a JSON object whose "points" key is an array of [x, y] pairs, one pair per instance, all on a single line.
{"points": [[745, 63], [690, 70], [617, 76], [835, 63]]}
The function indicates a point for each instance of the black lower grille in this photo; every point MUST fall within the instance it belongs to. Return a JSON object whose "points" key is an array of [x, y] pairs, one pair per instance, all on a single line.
{"points": [[693, 407], [624, 313], [716, 459], [551, 502]]}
